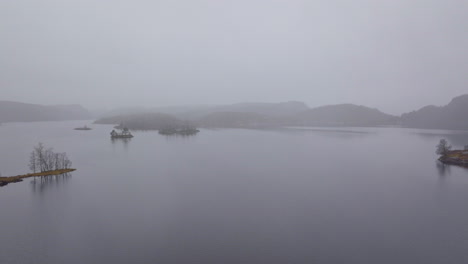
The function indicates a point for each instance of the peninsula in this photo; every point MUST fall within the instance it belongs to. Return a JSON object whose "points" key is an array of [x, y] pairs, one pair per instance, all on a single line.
{"points": [[455, 157], [452, 157], [6, 180]]}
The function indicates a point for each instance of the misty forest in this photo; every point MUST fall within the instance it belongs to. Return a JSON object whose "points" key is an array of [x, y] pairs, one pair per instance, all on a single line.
{"points": [[237, 132]]}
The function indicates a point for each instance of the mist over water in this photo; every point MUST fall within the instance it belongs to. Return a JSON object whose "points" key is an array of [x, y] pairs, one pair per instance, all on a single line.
{"points": [[246, 132], [320, 195]]}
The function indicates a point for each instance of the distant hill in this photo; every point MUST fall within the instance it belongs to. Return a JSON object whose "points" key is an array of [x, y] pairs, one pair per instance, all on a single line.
{"points": [[235, 120], [257, 115], [253, 115], [268, 109], [144, 121], [452, 116], [343, 115], [332, 115], [22, 112], [119, 111]]}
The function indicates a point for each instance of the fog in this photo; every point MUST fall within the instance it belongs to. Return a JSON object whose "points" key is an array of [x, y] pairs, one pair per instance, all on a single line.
{"points": [[394, 55]]}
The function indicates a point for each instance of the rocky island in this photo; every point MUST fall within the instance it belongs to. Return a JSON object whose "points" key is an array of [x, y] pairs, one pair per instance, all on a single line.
{"points": [[452, 157]]}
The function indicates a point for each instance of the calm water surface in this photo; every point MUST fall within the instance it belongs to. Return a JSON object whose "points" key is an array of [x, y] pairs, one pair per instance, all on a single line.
{"points": [[348, 195]]}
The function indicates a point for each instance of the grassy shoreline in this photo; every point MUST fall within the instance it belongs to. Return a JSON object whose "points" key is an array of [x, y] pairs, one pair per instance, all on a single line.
{"points": [[455, 157], [6, 180]]}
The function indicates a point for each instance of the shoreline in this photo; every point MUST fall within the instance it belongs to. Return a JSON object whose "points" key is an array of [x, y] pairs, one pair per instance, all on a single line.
{"points": [[19, 178], [455, 157]]}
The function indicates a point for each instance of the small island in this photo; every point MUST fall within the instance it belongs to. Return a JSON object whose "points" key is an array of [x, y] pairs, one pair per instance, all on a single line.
{"points": [[124, 134], [83, 128], [166, 124], [43, 162], [452, 157]]}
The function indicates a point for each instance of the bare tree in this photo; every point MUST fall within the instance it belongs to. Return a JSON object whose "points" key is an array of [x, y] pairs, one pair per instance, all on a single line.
{"points": [[32, 161], [39, 153], [42, 159], [49, 159], [443, 147], [57, 163], [66, 163]]}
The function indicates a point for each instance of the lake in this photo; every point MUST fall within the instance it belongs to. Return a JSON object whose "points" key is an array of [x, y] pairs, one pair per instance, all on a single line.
{"points": [[295, 195]]}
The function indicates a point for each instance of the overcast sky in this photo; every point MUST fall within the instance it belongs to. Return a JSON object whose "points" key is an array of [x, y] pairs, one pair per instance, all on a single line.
{"points": [[396, 55]]}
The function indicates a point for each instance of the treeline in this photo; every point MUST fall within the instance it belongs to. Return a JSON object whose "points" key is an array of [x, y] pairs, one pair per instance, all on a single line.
{"points": [[145, 121], [42, 159]]}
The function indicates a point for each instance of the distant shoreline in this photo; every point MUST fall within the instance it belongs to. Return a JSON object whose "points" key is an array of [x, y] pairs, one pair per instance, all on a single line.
{"points": [[6, 180]]}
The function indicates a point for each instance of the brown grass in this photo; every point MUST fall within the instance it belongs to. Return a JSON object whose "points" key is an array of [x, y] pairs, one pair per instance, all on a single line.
{"points": [[458, 154], [6, 180]]}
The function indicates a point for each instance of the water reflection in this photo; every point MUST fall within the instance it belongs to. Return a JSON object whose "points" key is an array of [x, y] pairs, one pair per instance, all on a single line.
{"points": [[124, 141], [443, 169], [179, 136], [254, 196], [41, 184]]}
